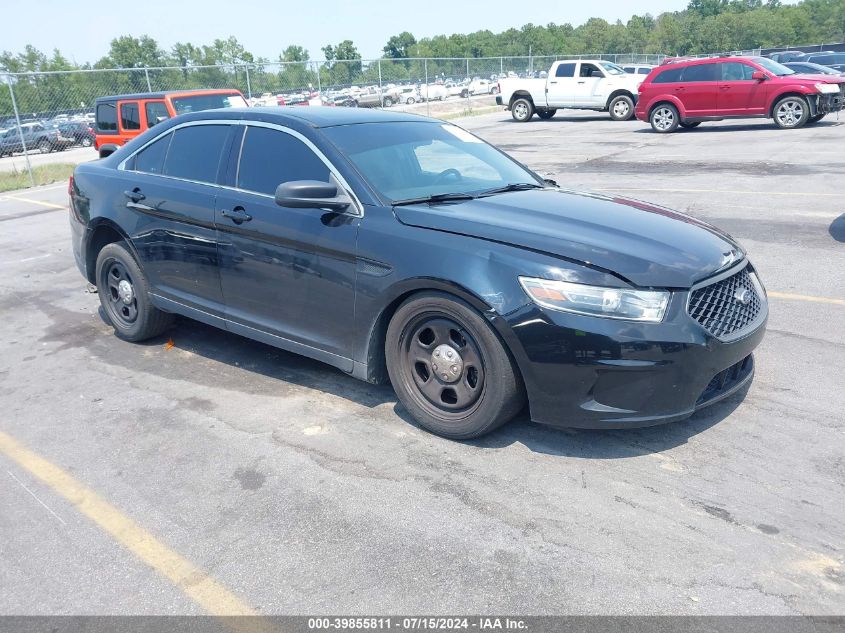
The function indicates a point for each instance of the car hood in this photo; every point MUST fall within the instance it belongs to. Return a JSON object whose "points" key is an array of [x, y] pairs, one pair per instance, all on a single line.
{"points": [[814, 79], [647, 245]]}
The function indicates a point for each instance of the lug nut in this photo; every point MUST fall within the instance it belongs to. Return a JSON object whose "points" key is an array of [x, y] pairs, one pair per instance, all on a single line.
{"points": [[449, 354], [454, 369], [435, 368]]}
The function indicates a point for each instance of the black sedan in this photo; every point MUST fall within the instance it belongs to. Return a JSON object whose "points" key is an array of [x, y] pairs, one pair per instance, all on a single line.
{"points": [[398, 247]]}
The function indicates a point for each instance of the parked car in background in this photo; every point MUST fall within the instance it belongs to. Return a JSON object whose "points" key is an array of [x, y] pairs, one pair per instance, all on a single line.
{"points": [[831, 60], [786, 56], [480, 87], [373, 97], [120, 118], [809, 68], [638, 69], [578, 84], [80, 131], [433, 92], [688, 93], [397, 247], [346, 101], [36, 136], [407, 94]]}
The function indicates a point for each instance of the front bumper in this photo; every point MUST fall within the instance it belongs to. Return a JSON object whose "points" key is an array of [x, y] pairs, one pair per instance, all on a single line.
{"points": [[591, 372], [826, 104]]}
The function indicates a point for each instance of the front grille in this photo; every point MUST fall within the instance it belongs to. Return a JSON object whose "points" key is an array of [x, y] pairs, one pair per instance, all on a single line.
{"points": [[726, 307], [726, 380]]}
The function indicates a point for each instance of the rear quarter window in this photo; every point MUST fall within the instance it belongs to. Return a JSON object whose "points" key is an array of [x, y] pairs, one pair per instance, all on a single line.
{"points": [[668, 76], [107, 117]]}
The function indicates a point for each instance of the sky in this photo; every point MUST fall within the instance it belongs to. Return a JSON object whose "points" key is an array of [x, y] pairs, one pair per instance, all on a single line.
{"points": [[265, 28]]}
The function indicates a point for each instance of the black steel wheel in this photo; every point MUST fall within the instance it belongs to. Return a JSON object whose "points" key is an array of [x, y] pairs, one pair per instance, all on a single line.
{"points": [[449, 368], [124, 295]]}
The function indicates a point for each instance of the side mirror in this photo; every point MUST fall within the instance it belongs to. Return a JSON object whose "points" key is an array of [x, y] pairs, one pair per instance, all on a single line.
{"points": [[759, 75], [311, 194]]}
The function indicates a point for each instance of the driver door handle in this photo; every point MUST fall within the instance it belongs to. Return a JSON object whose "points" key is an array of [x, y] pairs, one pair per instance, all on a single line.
{"points": [[134, 195], [238, 215]]}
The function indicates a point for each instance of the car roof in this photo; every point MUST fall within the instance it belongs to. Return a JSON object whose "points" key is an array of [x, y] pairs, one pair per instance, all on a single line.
{"points": [[162, 94], [312, 116]]}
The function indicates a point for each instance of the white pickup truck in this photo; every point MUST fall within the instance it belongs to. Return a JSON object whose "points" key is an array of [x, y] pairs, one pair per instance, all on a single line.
{"points": [[582, 84]]}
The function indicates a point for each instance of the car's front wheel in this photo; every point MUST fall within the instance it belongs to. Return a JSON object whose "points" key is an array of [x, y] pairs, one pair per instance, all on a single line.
{"points": [[124, 295], [621, 108], [44, 146], [522, 110], [791, 112], [449, 369], [664, 118], [86, 142]]}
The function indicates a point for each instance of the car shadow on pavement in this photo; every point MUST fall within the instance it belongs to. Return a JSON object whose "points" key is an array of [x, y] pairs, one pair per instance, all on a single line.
{"points": [[711, 127], [238, 360], [608, 444], [837, 228]]}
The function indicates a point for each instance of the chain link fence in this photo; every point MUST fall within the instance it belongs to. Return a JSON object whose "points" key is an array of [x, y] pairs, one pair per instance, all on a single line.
{"points": [[62, 102]]}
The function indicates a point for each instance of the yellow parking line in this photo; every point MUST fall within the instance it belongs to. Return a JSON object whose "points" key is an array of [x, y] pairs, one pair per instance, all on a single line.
{"points": [[811, 298], [185, 575], [31, 201], [748, 193]]}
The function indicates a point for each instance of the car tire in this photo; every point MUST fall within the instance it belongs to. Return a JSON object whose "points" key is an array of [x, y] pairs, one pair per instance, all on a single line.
{"points": [[86, 142], [410, 101], [815, 119], [791, 112], [387, 102], [124, 295], [494, 90], [621, 108], [546, 114], [44, 146], [522, 110], [482, 389], [664, 118], [688, 125]]}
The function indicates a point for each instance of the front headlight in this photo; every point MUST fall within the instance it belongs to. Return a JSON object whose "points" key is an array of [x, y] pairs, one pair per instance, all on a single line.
{"points": [[827, 89], [612, 303]]}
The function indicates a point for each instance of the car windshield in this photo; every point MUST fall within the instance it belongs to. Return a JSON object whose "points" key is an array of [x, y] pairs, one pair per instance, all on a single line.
{"points": [[405, 160], [773, 67], [612, 69], [195, 103]]}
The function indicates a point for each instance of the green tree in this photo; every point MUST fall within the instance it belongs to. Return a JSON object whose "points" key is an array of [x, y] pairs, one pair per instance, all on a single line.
{"points": [[399, 46]]}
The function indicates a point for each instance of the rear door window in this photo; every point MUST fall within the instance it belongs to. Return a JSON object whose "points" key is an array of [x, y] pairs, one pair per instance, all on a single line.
{"points": [[195, 152], [700, 72], [129, 117], [107, 117], [565, 70], [271, 157], [736, 71]]}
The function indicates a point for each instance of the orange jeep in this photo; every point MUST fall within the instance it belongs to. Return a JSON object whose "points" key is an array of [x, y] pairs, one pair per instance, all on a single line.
{"points": [[120, 118]]}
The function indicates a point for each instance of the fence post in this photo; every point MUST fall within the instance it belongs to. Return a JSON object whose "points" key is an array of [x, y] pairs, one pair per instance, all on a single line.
{"points": [[427, 91], [20, 130], [501, 65], [248, 86], [380, 93], [147, 75], [319, 87]]}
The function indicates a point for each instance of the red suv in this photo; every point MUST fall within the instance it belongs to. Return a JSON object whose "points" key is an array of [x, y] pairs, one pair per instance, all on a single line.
{"points": [[689, 92]]}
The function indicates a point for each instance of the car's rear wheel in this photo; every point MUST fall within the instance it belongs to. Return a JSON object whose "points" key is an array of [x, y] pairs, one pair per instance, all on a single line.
{"points": [[410, 100], [791, 112], [449, 369], [546, 114], [688, 125], [621, 108], [44, 146], [522, 110], [86, 142], [124, 295], [664, 118], [388, 102]]}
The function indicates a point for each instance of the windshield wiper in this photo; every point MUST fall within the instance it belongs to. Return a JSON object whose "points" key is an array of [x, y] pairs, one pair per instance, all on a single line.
{"points": [[437, 197], [514, 186]]}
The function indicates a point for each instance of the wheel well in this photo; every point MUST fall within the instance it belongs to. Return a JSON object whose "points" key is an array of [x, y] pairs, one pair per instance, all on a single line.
{"points": [[617, 93], [521, 95], [658, 104], [376, 362], [777, 99], [103, 235]]}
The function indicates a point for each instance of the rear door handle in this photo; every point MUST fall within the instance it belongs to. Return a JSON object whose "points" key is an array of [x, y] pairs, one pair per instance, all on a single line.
{"points": [[582, 82], [238, 215], [680, 89], [135, 195]]}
